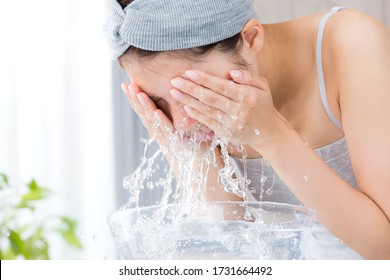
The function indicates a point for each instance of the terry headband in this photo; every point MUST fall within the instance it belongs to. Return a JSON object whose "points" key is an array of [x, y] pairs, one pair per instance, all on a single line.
{"points": [[166, 25]]}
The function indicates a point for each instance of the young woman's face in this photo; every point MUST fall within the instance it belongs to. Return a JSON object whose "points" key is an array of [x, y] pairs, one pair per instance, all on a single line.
{"points": [[153, 77]]}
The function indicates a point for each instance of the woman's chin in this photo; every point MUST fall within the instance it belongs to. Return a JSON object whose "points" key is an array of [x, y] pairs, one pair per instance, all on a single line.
{"points": [[199, 133], [208, 136]]}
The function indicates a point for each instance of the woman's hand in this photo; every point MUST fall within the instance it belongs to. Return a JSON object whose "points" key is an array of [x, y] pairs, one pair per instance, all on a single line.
{"points": [[155, 121], [240, 109]]}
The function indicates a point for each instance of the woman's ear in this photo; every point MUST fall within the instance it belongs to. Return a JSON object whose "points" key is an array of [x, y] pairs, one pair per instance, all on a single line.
{"points": [[253, 35]]}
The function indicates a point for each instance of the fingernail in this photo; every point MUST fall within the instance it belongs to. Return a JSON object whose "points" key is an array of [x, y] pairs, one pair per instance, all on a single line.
{"points": [[178, 83], [236, 74], [176, 94], [187, 109], [123, 86], [192, 75]]}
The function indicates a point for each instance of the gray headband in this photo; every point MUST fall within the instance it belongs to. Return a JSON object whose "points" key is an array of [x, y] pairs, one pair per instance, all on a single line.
{"points": [[165, 25]]}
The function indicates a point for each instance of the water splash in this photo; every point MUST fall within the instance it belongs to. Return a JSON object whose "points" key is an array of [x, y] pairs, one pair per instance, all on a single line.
{"points": [[191, 155]]}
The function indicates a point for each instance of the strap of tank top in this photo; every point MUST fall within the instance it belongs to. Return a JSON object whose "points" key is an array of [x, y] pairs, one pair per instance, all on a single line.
{"points": [[320, 71]]}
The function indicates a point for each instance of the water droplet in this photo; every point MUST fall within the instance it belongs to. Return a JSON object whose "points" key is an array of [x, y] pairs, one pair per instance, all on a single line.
{"points": [[257, 132], [305, 178], [240, 127], [306, 144], [263, 179], [269, 191], [247, 216], [234, 117]]}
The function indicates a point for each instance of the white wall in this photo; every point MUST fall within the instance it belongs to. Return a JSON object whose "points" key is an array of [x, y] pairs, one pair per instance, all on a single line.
{"points": [[280, 10]]}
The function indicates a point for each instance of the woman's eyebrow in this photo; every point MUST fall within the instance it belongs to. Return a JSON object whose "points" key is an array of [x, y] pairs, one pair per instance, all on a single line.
{"points": [[154, 98]]}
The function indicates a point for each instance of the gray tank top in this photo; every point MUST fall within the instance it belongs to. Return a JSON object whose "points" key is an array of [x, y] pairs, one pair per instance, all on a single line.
{"points": [[267, 186]]}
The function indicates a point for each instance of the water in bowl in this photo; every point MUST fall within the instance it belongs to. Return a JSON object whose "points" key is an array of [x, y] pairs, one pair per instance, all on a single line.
{"points": [[228, 230]]}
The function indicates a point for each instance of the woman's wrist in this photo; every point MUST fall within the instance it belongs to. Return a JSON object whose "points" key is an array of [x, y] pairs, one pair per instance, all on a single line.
{"points": [[284, 139]]}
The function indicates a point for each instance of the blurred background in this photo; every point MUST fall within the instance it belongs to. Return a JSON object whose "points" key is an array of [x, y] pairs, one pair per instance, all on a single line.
{"points": [[65, 122]]}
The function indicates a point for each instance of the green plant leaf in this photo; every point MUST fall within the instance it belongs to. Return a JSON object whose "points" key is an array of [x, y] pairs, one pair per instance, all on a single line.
{"points": [[25, 204], [36, 247], [68, 232], [3, 181], [8, 254], [35, 193], [72, 239], [16, 242], [27, 240]]}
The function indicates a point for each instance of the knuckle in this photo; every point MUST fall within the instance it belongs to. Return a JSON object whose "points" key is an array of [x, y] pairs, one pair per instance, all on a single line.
{"points": [[210, 111], [204, 80], [198, 92], [222, 87], [208, 98], [241, 93], [204, 96], [228, 105], [252, 98], [192, 88]]}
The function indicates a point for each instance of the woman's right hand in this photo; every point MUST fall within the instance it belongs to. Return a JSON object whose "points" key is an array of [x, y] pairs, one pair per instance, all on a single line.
{"points": [[155, 121]]}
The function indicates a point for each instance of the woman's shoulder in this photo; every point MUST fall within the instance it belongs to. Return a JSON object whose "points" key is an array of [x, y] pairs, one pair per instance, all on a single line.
{"points": [[351, 30]]}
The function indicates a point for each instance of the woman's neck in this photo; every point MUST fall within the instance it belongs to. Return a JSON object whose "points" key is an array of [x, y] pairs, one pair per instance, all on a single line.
{"points": [[287, 57]]}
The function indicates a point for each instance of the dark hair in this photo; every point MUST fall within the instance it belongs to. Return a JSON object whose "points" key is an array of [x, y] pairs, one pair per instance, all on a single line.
{"points": [[230, 45], [125, 3]]}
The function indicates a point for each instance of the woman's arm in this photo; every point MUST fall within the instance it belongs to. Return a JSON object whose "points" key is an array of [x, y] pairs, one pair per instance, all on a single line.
{"points": [[360, 218]]}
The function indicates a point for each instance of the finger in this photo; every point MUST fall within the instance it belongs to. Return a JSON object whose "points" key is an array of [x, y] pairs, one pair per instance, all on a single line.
{"points": [[164, 122], [248, 78], [197, 115], [189, 101], [218, 85], [134, 101], [139, 108], [124, 87], [152, 114], [148, 106], [205, 95]]}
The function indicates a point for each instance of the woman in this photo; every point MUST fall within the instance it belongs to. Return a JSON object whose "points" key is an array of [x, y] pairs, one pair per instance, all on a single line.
{"points": [[308, 96]]}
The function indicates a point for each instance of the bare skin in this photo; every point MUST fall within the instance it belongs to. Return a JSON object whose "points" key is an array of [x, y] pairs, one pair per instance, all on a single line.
{"points": [[278, 96]]}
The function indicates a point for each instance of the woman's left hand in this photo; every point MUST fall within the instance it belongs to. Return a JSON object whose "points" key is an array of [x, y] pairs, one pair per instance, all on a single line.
{"points": [[240, 109]]}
